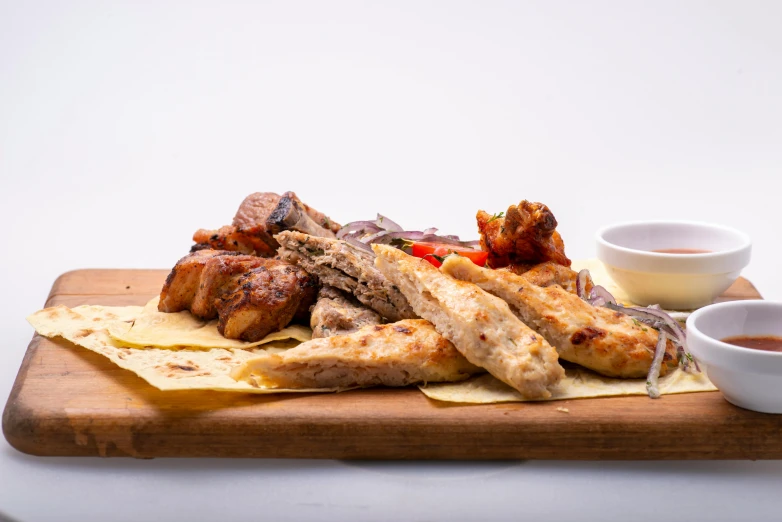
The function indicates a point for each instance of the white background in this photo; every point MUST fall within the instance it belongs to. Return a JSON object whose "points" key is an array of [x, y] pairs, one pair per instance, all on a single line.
{"points": [[126, 126]]}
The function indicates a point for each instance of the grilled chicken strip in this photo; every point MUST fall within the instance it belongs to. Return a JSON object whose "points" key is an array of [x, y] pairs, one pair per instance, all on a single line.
{"points": [[338, 313], [398, 354], [339, 264], [261, 215], [481, 326], [608, 342], [549, 273], [525, 236], [251, 296]]}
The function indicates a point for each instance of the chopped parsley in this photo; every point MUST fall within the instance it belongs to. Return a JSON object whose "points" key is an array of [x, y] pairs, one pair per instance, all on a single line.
{"points": [[496, 216]]}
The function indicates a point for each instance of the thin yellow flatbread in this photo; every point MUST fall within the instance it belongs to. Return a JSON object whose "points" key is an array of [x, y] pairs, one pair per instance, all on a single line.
{"points": [[577, 384], [152, 328], [164, 368]]}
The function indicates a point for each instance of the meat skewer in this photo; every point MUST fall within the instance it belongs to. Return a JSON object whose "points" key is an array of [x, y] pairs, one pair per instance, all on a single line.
{"points": [[608, 342]]}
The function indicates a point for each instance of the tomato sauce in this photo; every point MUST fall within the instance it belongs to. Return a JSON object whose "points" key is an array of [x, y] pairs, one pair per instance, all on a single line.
{"points": [[766, 343]]}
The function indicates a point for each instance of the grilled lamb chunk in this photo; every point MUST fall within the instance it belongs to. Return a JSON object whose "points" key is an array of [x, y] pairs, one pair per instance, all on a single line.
{"points": [[338, 313], [251, 296], [291, 214], [261, 215], [340, 264], [183, 282], [217, 278], [265, 300]]}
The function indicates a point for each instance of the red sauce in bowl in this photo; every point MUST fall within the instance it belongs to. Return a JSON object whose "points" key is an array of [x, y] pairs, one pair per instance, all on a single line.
{"points": [[682, 251], [766, 343]]}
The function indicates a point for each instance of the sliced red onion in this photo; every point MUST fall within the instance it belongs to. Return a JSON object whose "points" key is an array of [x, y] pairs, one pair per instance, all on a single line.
{"points": [[375, 238], [652, 315], [653, 376], [386, 224], [358, 244], [385, 231], [360, 227], [655, 318], [599, 296]]}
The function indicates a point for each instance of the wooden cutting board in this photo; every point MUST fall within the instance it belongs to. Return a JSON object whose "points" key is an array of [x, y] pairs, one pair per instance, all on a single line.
{"points": [[70, 401]]}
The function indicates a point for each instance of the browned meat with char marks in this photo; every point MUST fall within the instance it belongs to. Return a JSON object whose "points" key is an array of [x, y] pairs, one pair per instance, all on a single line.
{"points": [[218, 277], [251, 296], [261, 215], [183, 282], [265, 300]]}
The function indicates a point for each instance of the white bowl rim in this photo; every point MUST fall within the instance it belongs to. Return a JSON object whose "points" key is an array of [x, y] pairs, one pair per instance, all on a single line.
{"points": [[732, 348], [746, 242]]}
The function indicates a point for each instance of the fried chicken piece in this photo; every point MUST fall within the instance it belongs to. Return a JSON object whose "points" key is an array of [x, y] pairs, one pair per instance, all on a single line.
{"points": [[608, 342], [526, 235], [481, 326], [338, 313], [398, 354], [261, 215], [339, 264], [265, 300], [251, 296]]}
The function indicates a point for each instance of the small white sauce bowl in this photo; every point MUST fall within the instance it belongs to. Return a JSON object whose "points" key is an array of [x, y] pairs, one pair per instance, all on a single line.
{"points": [[674, 281], [748, 378]]}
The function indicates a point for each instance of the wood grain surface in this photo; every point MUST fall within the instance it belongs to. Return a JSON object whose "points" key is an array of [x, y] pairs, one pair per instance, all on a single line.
{"points": [[70, 401]]}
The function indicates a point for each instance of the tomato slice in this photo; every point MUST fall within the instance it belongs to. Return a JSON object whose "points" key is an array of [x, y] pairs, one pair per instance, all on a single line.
{"points": [[429, 250]]}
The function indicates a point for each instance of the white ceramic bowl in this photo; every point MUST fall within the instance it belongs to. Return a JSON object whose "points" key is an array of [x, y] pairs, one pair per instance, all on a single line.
{"points": [[748, 378], [674, 281]]}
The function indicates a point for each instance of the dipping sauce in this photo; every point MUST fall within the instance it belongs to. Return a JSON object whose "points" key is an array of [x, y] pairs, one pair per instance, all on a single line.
{"points": [[767, 343], [682, 251]]}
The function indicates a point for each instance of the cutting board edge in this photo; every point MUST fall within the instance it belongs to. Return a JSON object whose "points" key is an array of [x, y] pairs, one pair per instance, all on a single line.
{"points": [[31, 432]]}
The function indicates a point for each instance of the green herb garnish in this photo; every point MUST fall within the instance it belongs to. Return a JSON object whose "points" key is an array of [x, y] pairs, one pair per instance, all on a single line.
{"points": [[496, 216]]}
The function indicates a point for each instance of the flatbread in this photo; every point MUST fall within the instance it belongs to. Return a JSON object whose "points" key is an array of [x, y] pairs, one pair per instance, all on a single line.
{"points": [[155, 329], [577, 384], [164, 368]]}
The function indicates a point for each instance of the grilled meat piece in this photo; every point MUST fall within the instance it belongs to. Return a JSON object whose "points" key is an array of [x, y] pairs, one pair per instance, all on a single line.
{"points": [[251, 296], [547, 274], [261, 215], [481, 326], [265, 300], [339, 264], [526, 235], [292, 214], [217, 278], [183, 282], [608, 342], [338, 313], [398, 354]]}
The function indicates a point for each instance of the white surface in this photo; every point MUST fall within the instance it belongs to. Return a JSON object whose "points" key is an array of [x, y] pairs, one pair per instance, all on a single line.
{"points": [[749, 378], [126, 126]]}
